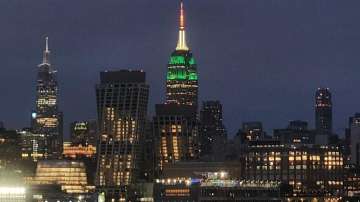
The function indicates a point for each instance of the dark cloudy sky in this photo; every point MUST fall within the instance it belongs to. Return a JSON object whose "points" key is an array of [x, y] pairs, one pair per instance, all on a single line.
{"points": [[263, 59]]}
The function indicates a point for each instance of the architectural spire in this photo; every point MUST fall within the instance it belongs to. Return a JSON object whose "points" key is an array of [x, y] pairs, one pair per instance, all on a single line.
{"points": [[47, 44], [46, 54], [182, 22], [181, 45]]}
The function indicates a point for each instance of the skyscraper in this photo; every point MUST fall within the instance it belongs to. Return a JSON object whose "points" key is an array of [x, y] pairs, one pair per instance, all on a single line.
{"points": [[323, 111], [212, 130], [175, 124], [355, 139], [47, 119], [182, 77], [175, 128], [122, 98]]}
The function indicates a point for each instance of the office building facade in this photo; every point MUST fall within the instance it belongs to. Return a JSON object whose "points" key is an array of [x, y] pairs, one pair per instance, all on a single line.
{"points": [[176, 132], [122, 99], [309, 169]]}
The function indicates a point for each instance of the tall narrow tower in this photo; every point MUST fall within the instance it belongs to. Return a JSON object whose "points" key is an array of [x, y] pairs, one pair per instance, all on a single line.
{"points": [[182, 77], [47, 119], [212, 131], [122, 98], [323, 111]]}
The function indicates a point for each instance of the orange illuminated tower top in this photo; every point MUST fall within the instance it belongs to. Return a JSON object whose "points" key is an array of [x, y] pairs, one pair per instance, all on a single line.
{"points": [[181, 45]]}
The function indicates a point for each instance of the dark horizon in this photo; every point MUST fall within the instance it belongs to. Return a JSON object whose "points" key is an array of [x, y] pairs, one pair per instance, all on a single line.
{"points": [[263, 60]]}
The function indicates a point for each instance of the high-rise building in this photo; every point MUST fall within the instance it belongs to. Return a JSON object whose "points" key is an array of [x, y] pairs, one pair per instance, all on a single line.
{"points": [[176, 130], [355, 139], [175, 125], [182, 77], [148, 154], [323, 111], [84, 133], [122, 98], [212, 130], [47, 119]]}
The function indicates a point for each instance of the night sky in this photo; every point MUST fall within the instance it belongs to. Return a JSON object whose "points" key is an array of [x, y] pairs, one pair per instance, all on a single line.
{"points": [[262, 59]]}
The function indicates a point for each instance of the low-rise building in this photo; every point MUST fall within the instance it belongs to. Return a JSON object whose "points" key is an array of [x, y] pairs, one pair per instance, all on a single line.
{"points": [[215, 186], [69, 175], [78, 151], [309, 169]]}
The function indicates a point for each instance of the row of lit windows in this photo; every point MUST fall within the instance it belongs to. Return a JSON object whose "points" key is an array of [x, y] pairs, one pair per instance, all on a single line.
{"points": [[177, 192]]}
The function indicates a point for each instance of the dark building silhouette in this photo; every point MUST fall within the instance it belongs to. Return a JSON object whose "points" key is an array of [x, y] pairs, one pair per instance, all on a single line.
{"points": [[148, 154], [83, 132], [33, 146], [212, 130], [182, 77], [348, 143], [47, 119], [251, 131], [297, 132], [10, 149], [354, 123], [323, 111], [298, 125], [122, 99]]}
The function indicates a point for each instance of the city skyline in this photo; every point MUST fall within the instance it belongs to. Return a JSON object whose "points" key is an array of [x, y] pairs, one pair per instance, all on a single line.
{"points": [[263, 91], [229, 123]]}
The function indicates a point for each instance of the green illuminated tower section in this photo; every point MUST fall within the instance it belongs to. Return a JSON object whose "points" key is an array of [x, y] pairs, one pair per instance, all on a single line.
{"points": [[182, 77]]}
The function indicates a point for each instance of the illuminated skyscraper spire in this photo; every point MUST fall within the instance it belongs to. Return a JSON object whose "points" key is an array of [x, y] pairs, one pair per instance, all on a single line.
{"points": [[46, 54], [181, 45], [182, 80], [46, 118]]}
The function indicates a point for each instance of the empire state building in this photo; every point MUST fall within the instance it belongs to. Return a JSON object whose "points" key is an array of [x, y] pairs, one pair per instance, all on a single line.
{"points": [[175, 123], [47, 119], [182, 77]]}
